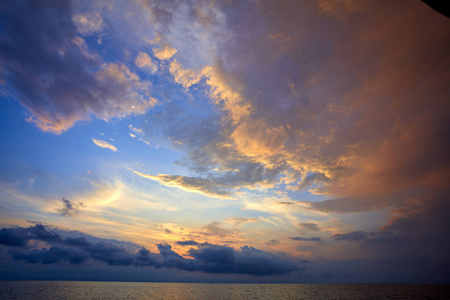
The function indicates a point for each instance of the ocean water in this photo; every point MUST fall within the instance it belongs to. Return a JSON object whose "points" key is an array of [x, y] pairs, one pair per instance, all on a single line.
{"points": [[141, 290]]}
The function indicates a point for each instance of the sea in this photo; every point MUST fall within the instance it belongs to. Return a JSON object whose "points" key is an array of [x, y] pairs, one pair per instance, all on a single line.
{"points": [[146, 290]]}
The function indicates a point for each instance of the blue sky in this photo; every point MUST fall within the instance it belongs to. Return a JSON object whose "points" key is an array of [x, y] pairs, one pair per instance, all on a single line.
{"points": [[220, 141]]}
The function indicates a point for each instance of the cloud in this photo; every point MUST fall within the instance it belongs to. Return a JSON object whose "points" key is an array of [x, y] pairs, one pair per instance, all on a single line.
{"points": [[216, 229], [411, 242], [69, 209], [164, 53], [198, 185], [17, 237], [50, 256], [54, 74], [144, 61], [185, 77], [238, 222], [310, 226], [272, 242], [78, 250], [104, 144], [351, 236], [314, 178], [89, 23], [248, 260], [303, 239], [324, 122], [191, 243]]}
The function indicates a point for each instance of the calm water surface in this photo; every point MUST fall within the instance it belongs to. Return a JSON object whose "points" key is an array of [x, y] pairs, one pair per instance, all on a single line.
{"points": [[140, 290]]}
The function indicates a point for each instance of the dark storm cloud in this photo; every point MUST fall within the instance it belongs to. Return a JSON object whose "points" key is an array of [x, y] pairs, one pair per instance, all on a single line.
{"points": [[303, 239], [51, 71], [78, 241], [248, 260], [77, 250], [50, 256], [14, 237]]}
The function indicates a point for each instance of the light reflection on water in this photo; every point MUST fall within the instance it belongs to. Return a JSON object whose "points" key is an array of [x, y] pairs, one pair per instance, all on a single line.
{"points": [[141, 290]]}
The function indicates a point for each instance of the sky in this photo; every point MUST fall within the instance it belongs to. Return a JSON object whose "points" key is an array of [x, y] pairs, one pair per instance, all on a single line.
{"points": [[224, 141]]}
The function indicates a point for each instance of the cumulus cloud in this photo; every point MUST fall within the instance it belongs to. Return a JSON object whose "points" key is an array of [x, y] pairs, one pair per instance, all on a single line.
{"points": [[78, 250], [185, 77], [104, 144], [54, 74], [165, 52], [144, 61]]}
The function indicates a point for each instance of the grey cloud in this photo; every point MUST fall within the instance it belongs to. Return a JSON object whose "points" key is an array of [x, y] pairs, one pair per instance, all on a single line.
{"points": [[14, 237], [411, 242], [310, 226], [311, 179], [69, 209], [50, 256], [272, 242], [286, 203], [351, 236], [195, 184], [303, 239], [222, 259], [215, 229], [77, 250], [191, 243], [199, 185]]}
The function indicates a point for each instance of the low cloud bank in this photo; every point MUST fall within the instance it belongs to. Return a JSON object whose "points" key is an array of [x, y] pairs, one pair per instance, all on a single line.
{"points": [[77, 250]]}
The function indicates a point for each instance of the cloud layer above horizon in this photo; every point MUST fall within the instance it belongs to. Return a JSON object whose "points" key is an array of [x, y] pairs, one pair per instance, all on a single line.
{"points": [[314, 129]]}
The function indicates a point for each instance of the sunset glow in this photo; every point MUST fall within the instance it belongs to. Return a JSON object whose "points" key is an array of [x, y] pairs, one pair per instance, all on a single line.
{"points": [[225, 141]]}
